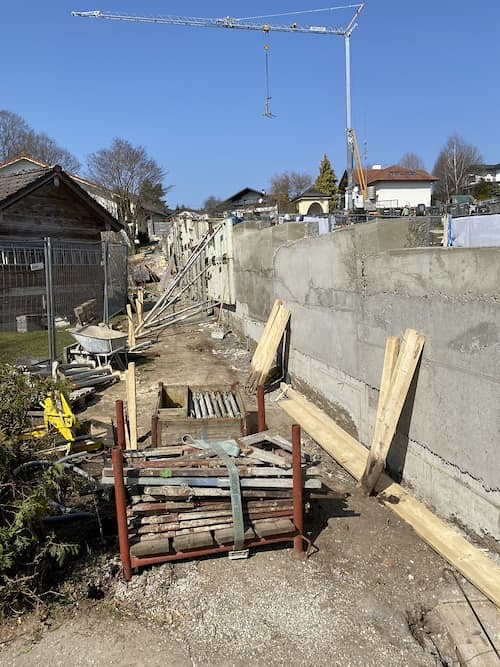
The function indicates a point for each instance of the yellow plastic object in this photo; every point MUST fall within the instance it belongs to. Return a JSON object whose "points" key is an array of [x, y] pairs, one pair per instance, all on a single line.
{"points": [[57, 413]]}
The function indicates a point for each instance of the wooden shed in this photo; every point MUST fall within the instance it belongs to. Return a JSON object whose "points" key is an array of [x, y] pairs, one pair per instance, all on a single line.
{"points": [[47, 202]]}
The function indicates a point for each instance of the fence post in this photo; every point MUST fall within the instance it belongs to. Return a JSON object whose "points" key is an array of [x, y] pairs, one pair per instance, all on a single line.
{"points": [[49, 288]]}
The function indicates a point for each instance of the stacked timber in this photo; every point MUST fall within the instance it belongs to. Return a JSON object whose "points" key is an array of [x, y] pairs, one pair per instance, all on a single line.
{"points": [[180, 497]]}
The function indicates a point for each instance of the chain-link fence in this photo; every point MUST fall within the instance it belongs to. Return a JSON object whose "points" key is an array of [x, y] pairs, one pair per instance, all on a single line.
{"points": [[43, 282]]}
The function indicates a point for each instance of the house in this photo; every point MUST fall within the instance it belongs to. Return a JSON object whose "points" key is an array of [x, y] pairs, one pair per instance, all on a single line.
{"points": [[249, 203], [392, 187], [246, 198], [489, 173], [312, 202]]}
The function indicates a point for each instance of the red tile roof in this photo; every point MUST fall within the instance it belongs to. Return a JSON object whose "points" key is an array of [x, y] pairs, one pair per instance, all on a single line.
{"points": [[394, 173]]}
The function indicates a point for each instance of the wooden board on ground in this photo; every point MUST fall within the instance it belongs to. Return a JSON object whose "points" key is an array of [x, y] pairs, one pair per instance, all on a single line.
{"points": [[346, 450], [472, 646]]}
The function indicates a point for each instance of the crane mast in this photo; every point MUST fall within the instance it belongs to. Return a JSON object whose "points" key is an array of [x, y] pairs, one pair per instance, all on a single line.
{"points": [[252, 23]]}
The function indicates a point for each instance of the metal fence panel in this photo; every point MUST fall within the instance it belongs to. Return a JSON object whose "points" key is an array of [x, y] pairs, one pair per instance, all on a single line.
{"points": [[79, 272]]}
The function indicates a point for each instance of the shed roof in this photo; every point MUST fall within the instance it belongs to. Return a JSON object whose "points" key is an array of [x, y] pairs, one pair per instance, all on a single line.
{"points": [[311, 193], [17, 186]]}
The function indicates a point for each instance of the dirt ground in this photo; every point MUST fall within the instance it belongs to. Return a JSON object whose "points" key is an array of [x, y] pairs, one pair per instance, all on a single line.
{"points": [[361, 598]]}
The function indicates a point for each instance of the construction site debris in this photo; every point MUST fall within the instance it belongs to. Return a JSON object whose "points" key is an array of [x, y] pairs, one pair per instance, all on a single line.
{"points": [[194, 498]]}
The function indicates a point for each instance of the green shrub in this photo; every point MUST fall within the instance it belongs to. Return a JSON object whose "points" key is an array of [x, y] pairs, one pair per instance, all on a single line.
{"points": [[27, 549]]}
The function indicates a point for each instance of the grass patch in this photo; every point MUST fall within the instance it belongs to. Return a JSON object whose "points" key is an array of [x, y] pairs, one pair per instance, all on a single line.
{"points": [[15, 346]]}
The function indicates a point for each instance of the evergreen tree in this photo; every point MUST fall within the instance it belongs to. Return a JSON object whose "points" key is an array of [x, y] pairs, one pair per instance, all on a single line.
{"points": [[326, 181]]}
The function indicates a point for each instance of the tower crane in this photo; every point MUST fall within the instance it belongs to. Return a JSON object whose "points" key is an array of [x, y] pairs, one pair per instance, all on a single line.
{"points": [[257, 23]]}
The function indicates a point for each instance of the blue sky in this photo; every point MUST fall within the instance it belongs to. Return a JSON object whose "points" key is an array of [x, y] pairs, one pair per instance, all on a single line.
{"points": [[194, 97]]}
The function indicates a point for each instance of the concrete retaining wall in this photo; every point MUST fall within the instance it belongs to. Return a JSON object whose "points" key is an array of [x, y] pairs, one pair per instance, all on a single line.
{"points": [[348, 291]]}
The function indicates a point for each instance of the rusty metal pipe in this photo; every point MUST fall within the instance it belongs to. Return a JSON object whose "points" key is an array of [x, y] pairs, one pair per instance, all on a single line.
{"points": [[298, 506], [261, 409], [120, 424], [121, 511]]}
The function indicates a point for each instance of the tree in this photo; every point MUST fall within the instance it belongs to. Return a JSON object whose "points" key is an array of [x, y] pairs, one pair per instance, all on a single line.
{"points": [[289, 184], [18, 138], [213, 206], [153, 196], [130, 175], [453, 167], [411, 161], [326, 181], [13, 130], [42, 147], [485, 190]]}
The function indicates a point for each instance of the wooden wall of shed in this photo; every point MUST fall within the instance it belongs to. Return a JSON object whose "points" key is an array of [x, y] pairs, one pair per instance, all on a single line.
{"points": [[50, 211]]}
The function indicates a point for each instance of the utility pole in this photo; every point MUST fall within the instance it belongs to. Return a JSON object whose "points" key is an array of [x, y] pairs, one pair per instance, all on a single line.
{"points": [[251, 23]]}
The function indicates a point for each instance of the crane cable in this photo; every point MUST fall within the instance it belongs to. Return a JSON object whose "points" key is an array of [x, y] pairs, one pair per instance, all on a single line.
{"points": [[267, 111], [305, 11]]}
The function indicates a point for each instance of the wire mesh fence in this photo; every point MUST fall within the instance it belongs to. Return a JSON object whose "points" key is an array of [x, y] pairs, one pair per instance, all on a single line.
{"points": [[42, 282]]}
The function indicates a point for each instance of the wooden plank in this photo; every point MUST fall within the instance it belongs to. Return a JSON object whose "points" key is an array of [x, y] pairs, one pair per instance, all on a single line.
{"points": [[471, 643], [146, 508], [268, 344], [257, 355], [267, 457], [226, 535], [216, 482], [269, 527], [390, 359], [243, 471], [193, 541], [151, 548], [401, 378], [165, 452], [200, 492], [131, 331], [139, 305], [132, 405], [475, 566]]}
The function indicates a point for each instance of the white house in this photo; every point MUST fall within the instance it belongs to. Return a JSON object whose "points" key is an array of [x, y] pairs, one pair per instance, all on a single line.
{"points": [[485, 172], [392, 187]]}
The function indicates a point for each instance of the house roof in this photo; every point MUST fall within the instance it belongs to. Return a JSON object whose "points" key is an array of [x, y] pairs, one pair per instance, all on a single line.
{"points": [[311, 193], [485, 167], [395, 173], [16, 186], [240, 193], [28, 158]]}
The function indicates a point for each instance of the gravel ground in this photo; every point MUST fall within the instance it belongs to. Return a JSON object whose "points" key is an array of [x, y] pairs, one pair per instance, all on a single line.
{"points": [[359, 599]]}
